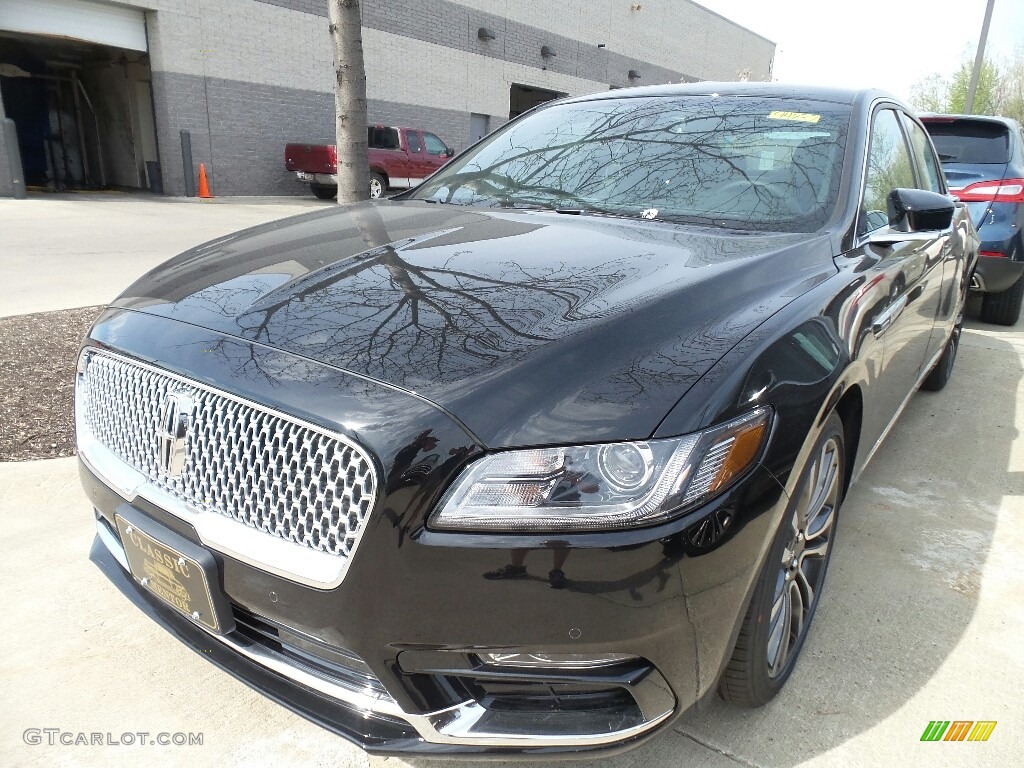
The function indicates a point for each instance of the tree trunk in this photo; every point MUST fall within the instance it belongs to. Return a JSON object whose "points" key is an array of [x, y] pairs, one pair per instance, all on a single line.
{"points": [[349, 100]]}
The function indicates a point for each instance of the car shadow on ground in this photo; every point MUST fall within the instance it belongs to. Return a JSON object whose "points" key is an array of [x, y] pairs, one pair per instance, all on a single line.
{"points": [[903, 585]]}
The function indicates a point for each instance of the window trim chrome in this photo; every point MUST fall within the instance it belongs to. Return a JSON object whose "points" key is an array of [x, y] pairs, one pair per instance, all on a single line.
{"points": [[287, 559]]}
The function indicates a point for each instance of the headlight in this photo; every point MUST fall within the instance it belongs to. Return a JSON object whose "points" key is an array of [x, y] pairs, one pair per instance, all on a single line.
{"points": [[600, 487]]}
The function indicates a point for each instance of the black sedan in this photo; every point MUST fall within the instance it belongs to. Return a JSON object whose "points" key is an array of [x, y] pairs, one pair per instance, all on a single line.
{"points": [[534, 456]]}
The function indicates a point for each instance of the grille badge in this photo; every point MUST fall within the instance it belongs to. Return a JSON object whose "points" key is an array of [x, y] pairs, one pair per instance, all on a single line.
{"points": [[175, 418]]}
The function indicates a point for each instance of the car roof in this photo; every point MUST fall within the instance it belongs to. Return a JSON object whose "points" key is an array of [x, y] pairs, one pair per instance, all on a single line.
{"points": [[766, 90]]}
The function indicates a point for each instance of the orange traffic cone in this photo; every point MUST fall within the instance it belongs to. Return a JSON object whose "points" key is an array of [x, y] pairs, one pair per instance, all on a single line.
{"points": [[204, 187]]}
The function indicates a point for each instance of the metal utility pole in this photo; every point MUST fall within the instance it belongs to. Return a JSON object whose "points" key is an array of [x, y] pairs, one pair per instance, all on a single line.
{"points": [[979, 59]]}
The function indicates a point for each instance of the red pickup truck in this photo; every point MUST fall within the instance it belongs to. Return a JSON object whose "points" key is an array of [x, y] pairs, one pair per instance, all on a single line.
{"points": [[399, 158]]}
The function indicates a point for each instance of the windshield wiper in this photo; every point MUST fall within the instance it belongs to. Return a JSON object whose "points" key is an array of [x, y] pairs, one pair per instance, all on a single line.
{"points": [[589, 211]]}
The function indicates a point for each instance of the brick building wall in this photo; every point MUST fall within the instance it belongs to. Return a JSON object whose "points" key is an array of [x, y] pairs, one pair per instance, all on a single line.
{"points": [[247, 76]]}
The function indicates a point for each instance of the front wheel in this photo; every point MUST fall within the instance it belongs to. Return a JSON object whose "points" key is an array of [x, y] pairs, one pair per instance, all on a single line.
{"points": [[789, 586]]}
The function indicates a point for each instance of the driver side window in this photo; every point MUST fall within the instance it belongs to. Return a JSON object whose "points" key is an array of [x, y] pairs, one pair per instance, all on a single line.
{"points": [[434, 145], [889, 168]]}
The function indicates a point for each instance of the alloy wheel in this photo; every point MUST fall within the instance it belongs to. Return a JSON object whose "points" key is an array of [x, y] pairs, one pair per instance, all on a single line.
{"points": [[804, 558]]}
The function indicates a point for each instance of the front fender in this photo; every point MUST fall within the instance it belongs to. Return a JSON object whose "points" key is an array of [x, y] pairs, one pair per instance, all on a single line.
{"points": [[799, 362]]}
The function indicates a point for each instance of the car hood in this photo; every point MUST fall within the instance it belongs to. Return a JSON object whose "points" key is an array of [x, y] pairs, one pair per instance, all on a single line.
{"points": [[529, 327]]}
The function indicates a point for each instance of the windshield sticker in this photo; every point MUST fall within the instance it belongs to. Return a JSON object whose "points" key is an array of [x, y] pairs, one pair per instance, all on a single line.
{"points": [[800, 117]]}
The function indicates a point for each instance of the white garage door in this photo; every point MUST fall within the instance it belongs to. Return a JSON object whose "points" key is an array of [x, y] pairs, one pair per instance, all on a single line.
{"points": [[95, 22]]}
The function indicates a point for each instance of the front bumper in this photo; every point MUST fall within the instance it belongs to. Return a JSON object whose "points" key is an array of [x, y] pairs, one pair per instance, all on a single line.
{"points": [[440, 704], [374, 720]]}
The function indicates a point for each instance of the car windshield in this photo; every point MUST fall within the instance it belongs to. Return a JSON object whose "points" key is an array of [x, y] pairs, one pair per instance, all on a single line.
{"points": [[740, 162]]}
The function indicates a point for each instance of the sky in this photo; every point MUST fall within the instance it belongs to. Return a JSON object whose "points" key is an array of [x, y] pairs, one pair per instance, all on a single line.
{"points": [[888, 44]]}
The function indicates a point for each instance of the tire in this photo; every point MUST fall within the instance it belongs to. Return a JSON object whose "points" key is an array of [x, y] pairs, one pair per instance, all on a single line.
{"points": [[323, 191], [943, 370], [378, 186], [772, 633], [1003, 308]]}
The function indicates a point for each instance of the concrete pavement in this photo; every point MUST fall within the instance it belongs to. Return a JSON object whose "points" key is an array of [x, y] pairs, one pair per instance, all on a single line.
{"points": [[921, 618], [78, 250]]}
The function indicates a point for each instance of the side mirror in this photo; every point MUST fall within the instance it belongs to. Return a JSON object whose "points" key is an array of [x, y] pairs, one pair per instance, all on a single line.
{"points": [[449, 152], [918, 210]]}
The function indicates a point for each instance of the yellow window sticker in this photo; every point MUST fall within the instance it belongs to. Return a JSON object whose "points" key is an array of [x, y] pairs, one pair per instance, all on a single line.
{"points": [[800, 117]]}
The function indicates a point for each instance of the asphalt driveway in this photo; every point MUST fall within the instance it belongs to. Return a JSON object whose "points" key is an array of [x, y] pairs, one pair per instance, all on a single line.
{"points": [[921, 619]]}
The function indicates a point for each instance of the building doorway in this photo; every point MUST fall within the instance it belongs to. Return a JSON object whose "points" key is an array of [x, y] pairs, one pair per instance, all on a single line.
{"points": [[526, 97], [479, 126], [83, 112]]}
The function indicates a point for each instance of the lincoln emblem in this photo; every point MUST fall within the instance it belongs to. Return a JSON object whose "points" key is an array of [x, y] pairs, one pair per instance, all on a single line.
{"points": [[175, 416]]}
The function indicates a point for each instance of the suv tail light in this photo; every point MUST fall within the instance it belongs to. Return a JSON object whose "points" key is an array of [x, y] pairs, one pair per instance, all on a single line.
{"points": [[1005, 191]]}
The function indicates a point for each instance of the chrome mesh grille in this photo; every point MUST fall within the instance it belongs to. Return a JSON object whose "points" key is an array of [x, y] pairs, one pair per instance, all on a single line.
{"points": [[264, 470]]}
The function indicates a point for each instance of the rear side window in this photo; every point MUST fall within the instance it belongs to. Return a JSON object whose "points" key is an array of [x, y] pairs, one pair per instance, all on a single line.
{"points": [[382, 138], [413, 137], [970, 141]]}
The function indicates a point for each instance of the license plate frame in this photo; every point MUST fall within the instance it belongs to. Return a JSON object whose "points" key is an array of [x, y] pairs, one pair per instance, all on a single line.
{"points": [[182, 575]]}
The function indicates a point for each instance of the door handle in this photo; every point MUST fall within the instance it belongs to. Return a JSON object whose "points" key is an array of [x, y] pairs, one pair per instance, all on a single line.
{"points": [[884, 321]]}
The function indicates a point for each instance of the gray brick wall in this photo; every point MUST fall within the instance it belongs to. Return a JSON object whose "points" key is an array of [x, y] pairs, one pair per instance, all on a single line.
{"points": [[180, 103], [455, 26], [247, 76], [249, 125], [238, 127], [619, 67], [314, 7]]}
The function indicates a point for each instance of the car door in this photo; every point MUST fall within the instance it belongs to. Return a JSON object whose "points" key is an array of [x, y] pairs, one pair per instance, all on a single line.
{"points": [[436, 152], [417, 158], [943, 292], [903, 274]]}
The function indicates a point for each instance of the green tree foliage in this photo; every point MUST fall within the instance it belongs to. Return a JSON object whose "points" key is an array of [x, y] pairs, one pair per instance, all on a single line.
{"points": [[1000, 89], [1013, 88], [931, 94], [986, 98]]}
